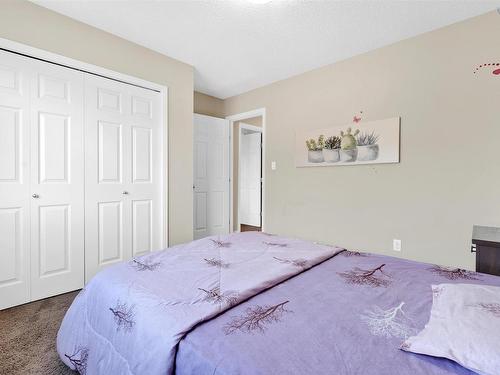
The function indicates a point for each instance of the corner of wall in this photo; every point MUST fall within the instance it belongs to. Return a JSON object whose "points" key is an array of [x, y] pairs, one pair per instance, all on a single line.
{"points": [[204, 104]]}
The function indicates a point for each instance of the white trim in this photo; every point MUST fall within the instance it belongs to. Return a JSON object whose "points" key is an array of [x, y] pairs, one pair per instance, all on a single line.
{"points": [[106, 73], [250, 127], [76, 64], [256, 129], [232, 119], [247, 115], [164, 168]]}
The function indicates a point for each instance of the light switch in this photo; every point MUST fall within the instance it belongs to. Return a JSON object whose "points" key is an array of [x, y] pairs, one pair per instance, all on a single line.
{"points": [[396, 245], [273, 165]]}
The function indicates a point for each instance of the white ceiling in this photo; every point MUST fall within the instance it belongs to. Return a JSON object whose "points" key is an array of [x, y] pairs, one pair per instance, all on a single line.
{"points": [[239, 45]]}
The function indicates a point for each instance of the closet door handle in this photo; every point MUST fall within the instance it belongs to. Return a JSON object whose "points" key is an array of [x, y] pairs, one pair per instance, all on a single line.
{"points": [[36, 196], [125, 192]]}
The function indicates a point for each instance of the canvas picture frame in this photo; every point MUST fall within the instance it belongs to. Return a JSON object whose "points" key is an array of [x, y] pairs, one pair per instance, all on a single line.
{"points": [[369, 142]]}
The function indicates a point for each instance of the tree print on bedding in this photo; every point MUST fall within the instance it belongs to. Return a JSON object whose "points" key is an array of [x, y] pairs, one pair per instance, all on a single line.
{"points": [[78, 360], [214, 295], [124, 316], [388, 323], [453, 273], [350, 253], [301, 263], [216, 263], [492, 308], [373, 277], [256, 318], [141, 265], [276, 244], [219, 243]]}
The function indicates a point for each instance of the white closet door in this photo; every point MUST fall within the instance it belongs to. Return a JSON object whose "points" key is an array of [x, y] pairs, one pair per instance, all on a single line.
{"points": [[250, 178], [123, 177], [14, 180], [211, 176], [57, 180]]}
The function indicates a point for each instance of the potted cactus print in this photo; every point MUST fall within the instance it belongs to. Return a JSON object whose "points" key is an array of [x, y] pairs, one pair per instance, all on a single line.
{"points": [[348, 146], [367, 146], [331, 150], [369, 142], [315, 149]]}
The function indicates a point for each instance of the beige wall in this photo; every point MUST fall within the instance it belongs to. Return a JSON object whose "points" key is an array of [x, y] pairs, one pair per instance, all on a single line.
{"points": [[26, 23], [448, 178], [255, 121], [208, 105]]}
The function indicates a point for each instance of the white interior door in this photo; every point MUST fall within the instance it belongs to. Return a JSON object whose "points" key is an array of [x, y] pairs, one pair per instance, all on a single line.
{"points": [[57, 180], [123, 172], [211, 176], [14, 180], [249, 205]]}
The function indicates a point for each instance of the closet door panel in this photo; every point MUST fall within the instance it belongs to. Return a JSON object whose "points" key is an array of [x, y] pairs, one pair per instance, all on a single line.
{"points": [[54, 148], [14, 281], [123, 186], [109, 152], [142, 226], [10, 143], [107, 167], [142, 157], [57, 181], [14, 180], [110, 232], [54, 239], [145, 185]]}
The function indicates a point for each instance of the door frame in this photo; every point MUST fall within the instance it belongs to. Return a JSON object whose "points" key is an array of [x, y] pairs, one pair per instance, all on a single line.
{"points": [[49, 57], [242, 117], [256, 129]]}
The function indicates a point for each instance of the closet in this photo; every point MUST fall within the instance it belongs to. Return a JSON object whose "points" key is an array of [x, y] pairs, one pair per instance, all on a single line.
{"points": [[80, 176]]}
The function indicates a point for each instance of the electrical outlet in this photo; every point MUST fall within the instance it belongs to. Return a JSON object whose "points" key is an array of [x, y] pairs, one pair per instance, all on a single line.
{"points": [[396, 245], [273, 165]]}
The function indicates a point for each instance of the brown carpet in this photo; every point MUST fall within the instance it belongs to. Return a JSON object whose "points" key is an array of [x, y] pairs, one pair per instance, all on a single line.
{"points": [[249, 228], [28, 337]]}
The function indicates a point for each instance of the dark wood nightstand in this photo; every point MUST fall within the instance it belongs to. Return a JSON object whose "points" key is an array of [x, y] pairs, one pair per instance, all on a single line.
{"points": [[486, 245]]}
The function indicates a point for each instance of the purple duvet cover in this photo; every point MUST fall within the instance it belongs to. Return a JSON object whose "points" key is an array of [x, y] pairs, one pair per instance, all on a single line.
{"points": [[130, 317], [348, 315], [250, 303]]}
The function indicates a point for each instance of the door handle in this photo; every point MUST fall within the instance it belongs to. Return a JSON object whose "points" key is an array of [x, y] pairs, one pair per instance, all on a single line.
{"points": [[36, 196], [125, 192]]}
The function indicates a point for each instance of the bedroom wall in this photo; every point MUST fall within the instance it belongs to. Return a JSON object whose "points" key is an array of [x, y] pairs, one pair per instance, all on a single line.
{"points": [[27, 23], [448, 178], [208, 105]]}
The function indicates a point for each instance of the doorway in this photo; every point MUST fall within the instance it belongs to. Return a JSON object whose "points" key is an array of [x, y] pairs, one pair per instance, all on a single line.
{"points": [[247, 183]]}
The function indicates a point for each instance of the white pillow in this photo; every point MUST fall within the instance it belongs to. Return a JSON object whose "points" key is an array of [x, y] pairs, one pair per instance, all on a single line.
{"points": [[464, 326]]}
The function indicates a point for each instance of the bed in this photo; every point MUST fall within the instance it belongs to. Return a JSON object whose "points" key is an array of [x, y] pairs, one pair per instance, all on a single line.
{"points": [[252, 303]]}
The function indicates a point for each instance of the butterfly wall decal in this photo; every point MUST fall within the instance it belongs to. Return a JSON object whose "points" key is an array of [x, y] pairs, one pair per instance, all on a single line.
{"points": [[494, 66], [356, 119]]}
